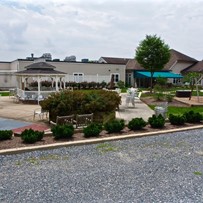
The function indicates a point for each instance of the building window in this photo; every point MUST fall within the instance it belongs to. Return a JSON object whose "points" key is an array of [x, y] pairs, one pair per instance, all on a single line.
{"points": [[116, 76], [176, 81], [78, 77]]}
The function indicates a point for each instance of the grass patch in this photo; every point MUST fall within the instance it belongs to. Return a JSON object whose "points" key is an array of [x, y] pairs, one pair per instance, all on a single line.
{"points": [[33, 161], [18, 163], [37, 160], [53, 157], [180, 110], [198, 173], [106, 147], [4, 93]]}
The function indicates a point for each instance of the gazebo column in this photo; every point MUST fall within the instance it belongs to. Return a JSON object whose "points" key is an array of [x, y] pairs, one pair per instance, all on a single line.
{"points": [[60, 79], [22, 83], [25, 83], [62, 83], [52, 83], [38, 85], [56, 81]]}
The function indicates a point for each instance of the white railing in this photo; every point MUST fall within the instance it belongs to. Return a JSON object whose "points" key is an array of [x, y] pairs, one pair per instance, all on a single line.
{"points": [[88, 78], [33, 95]]}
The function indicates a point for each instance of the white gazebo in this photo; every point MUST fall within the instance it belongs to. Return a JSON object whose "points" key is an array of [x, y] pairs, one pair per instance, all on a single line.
{"points": [[38, 72]]}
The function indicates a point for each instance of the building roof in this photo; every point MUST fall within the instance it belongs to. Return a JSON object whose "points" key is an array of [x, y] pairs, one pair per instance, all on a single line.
{"points": [[197, 67], [133, 65], [40, 65], [174, 58], [113, 60], [40, 68], [177, 56]]}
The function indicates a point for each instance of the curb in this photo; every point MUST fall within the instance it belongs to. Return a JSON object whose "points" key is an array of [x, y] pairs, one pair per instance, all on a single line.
{"points": [[93, 141]]}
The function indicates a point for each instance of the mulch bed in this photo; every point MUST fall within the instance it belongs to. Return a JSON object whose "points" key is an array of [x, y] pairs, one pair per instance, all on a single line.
{"points": [[16, 141]]}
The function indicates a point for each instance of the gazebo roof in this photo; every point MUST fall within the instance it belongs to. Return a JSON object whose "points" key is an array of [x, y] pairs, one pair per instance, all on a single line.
{"points": [[40, 68]]}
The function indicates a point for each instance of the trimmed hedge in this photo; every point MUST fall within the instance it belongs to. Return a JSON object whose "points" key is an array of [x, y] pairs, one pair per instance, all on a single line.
{"points": [[99, 102], [92, 130], [193, 117], [114, 126], [177, 119], [6, 134], [136, 124], [156, 122], [63, 131], [31, 136]]}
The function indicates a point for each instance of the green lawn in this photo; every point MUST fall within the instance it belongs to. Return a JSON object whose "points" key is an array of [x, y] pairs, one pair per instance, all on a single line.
{"points": [[4, 93], [181, 110]]}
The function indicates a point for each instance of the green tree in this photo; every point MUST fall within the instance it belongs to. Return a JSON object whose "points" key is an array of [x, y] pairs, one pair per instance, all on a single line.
{"points": [[152, 54], [191, 78]]}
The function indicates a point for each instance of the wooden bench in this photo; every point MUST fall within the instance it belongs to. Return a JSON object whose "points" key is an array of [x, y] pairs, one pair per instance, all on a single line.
{"points": [[78, 121], [83, 120], [61, 120]]}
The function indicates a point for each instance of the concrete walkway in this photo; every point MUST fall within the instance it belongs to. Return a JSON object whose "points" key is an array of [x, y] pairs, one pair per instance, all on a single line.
{"points": [[24, 112], [18, 111], [128, 112], [18, 116]]}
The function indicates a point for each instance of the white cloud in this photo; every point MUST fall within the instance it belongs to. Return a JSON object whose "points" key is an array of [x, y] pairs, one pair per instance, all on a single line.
{"points": [[90, 29]]}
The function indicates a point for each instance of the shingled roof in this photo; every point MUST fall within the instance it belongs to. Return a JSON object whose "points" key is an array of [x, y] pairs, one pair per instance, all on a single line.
{"points": [[177, 56], [40, 68], [133, 65], [198, 67], [174, 58], [40, 65], [113, 60]]}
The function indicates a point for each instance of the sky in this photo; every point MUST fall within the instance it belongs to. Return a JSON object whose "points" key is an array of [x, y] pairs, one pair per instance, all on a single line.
{"points": [[94, 28]]}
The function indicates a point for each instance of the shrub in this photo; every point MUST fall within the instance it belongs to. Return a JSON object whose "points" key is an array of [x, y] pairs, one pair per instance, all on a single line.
{"points": [[81, 102], [114, 126], [161, 81], [193, 117], [136, 124], [31, 136], [158, 96], [92, 130], [169, 97], [177, 119], [157, 122], [5, 134], [63, 131], [121, 84]]}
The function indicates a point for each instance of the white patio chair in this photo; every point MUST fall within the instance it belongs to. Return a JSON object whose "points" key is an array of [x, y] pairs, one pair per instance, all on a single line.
{"points": [[41, 113], [137, 96]]}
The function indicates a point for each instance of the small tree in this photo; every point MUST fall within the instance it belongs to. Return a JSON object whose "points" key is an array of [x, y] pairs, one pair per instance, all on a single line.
{"points": [[152, 53], [191, 79]]}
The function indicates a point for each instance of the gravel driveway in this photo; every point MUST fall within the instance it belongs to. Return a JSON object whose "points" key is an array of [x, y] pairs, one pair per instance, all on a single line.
{"points": [[165, 168]]}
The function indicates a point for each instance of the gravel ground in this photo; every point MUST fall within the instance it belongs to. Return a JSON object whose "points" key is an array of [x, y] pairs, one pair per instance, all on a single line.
{"points": [[165, 168]]}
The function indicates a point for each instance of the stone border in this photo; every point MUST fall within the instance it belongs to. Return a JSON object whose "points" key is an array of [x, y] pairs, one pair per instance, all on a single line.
{"points": [[93, 141]]}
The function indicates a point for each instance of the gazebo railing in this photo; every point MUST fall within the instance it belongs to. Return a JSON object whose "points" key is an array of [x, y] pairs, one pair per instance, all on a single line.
{"points": [[33, 95]]}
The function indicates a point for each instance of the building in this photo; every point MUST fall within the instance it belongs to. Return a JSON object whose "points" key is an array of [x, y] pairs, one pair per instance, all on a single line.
{"points": [[75, 71], [127, 70], [137, 75]]}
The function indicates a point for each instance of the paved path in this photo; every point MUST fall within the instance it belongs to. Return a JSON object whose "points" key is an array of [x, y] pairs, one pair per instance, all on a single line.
{"points": [[165, 168], [18, 111], [128, 112], [18, 116], [24, 112]]}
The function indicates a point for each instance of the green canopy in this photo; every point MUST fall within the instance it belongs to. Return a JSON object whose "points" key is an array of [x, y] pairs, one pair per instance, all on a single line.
{"points": [[164, 74]]}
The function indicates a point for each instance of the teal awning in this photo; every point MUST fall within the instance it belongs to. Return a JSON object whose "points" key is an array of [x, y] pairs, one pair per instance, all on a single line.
{"points": [[164, 74]]}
